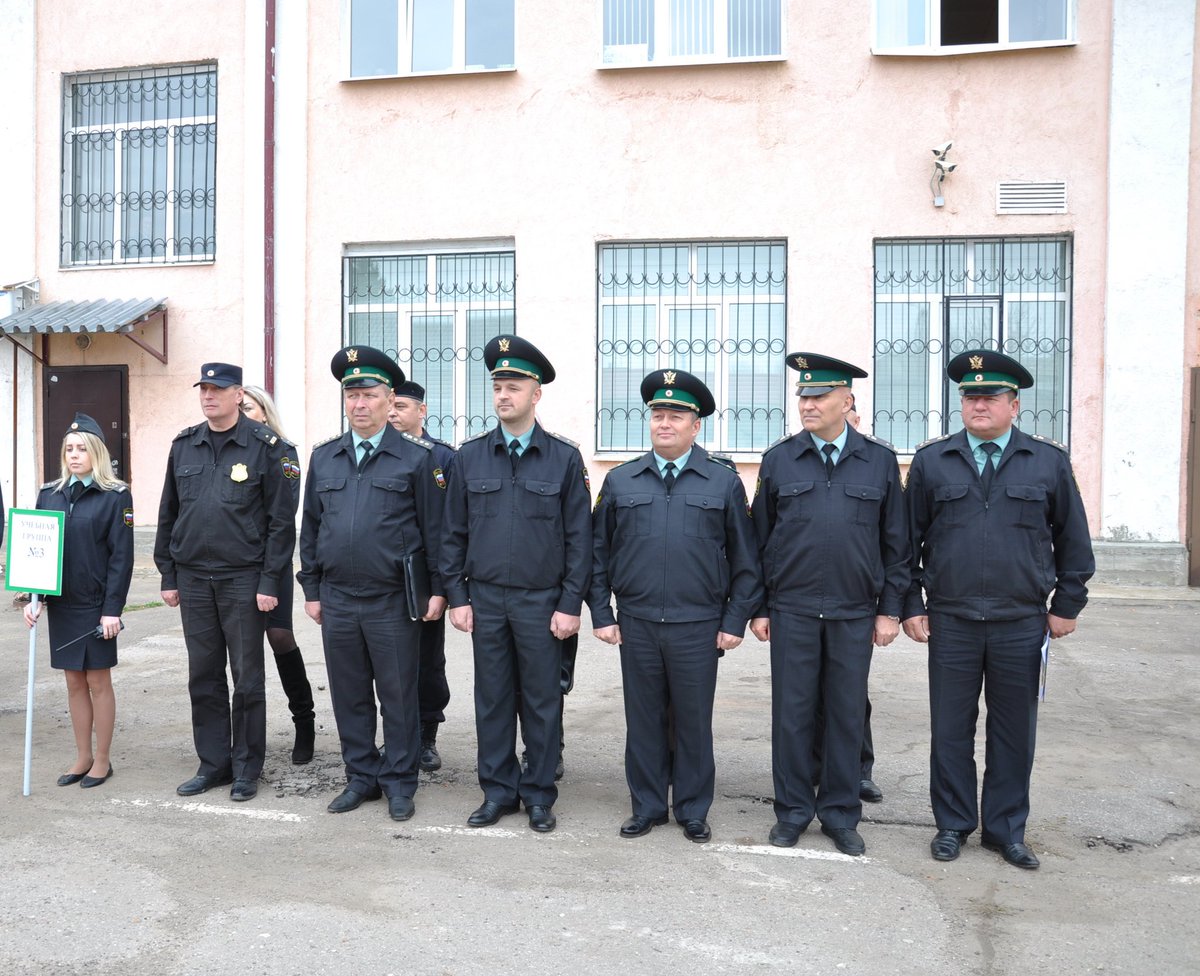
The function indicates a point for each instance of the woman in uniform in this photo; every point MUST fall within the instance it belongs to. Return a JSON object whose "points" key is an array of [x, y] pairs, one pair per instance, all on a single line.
{"points": [[86, 617], [258, 406]]}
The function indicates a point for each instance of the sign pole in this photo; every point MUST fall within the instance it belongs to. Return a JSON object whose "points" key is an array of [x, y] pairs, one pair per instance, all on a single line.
{"points": [[29, 699]]}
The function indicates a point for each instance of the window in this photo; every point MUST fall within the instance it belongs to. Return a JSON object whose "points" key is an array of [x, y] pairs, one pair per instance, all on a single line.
{"points": [[139, 168], [937, 298], [967, 26], [414, 37], [434, 313], [715, 309], [641, 32]]}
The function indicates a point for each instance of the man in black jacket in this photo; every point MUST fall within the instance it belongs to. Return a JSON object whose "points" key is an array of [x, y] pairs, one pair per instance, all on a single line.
{"points": [[672, 541], [372, 514], [226, 532], [830, 522], [516, 560], [996, 524]]}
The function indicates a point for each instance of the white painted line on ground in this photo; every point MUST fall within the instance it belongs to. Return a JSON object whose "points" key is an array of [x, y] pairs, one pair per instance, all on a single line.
{"points": [[471, 831], [785, 852], [195, 806], [1188, 879]]}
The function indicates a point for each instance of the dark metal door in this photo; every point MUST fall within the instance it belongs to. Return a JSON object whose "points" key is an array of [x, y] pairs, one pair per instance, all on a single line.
{"points": [[1193, 486], [101, 392]]}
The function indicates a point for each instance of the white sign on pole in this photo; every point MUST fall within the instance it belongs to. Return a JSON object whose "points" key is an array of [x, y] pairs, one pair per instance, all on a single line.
{"points": [[35, 548]]}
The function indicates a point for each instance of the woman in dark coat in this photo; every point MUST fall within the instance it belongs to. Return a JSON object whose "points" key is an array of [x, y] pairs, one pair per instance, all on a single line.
{"points": [[97, 568]]}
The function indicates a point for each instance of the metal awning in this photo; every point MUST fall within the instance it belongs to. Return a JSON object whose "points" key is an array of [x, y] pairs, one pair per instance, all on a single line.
{"points": [[100, 315]]}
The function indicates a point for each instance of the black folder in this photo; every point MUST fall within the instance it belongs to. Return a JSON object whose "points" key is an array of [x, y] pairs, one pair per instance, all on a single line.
{"points": [[417, 590]]}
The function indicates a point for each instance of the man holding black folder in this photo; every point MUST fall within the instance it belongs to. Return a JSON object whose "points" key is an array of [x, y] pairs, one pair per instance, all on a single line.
{"points": [[368, 566]]}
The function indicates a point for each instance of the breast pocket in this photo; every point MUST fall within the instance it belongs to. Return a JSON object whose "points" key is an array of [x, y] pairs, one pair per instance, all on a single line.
{"points": [[705, 517], [1027, 503], [633, 514], [791, 503], [863, 502], [188, 481], [390, 495], [540, 499], [950, 504], [483, 499], [237, 492], [330, 494]]}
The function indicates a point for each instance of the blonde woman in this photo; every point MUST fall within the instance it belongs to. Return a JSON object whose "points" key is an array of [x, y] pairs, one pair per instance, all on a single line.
{"points": [[86, 617], [258, 406]]}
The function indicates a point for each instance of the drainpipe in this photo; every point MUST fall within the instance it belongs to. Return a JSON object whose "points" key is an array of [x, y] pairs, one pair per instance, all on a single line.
{"points": [[269, 202]]}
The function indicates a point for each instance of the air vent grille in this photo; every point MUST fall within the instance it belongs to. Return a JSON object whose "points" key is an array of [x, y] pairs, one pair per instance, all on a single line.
{"points": [[1046, 197]]}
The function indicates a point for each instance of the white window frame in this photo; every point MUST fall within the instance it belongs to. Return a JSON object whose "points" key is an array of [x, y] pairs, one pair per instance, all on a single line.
{"points": [[405, 310], [662, 41], [933, 28], [722, 307], [119, 131], [404, 45]]}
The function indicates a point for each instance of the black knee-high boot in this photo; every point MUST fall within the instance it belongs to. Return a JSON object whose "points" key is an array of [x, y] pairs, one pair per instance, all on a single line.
{"points": [[294, 679]]}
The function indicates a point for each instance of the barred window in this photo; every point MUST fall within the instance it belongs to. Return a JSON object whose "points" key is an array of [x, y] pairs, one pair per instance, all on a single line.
{"points": [[715, 309], [434, 313], [139, 168], [640, 32], [937, 298]]}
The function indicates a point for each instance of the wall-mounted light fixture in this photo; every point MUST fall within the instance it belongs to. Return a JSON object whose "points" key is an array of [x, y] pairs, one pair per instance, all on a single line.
{"points": [[941, 169]]}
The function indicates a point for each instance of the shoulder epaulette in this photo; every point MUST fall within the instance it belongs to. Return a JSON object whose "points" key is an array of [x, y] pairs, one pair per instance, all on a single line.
{"points": [[565, 440], [882, 443], [934, 440], [475, 437], [186, 432], [724, 459], [266, 435], [48, 484], [328, 440], [783, 440], [1046, 440], [419, 441]]}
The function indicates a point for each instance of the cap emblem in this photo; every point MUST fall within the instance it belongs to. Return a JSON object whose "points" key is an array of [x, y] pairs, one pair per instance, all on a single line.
{"points": [[801, 362], [977, 363], [668, 392], [352, 356], [211, 372], [808, 376], [669, 379], [504, 344], [74, 426], [356, 371], [978, 377], [505, 363]]}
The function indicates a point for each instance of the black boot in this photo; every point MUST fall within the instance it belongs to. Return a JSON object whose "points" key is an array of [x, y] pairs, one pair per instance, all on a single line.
{"points": [[429, 759], [294, 679]]}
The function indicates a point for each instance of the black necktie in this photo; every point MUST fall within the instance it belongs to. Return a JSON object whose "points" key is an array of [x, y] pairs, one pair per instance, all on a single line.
{"points": [[989, 468], [75, 491], [828, 450], [366, 453], [669, 476], [514, 452]]}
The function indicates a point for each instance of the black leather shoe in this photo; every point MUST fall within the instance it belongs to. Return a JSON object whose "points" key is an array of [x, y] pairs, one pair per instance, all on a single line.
{"points": [[351, 799], [401, 807], [490, 813], [637, 826], [430, 759], [1018, 855], [846, 840], [70, 779], [89, 780], [202, 784], [868, 792], [243, 790], [947, 844], [541, 818], [697, 831], [785, 834]]}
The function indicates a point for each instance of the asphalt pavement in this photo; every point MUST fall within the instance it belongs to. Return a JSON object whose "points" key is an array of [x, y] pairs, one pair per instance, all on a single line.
{"points": [[130, 879]]}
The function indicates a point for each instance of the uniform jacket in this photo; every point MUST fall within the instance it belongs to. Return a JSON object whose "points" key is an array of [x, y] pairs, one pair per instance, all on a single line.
{"points": [[681, 558], [997, 558], [530, 528], [837, 548], [97, 547], [359, 525], [228, 514]]}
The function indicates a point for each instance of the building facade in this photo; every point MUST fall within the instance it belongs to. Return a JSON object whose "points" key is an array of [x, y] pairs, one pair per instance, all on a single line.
{"points": [[628, 183]]}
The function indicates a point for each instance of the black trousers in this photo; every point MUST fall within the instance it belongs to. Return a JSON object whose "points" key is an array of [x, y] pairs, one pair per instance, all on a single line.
{"points": [[1004, 658], [371, 648], [513, 648], [866, 754], [433, 691], [665, 666], [222, 624], [814, 663]]}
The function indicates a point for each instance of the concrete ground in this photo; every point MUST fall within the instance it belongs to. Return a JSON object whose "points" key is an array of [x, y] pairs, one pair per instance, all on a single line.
{"points": [[131, 879]]}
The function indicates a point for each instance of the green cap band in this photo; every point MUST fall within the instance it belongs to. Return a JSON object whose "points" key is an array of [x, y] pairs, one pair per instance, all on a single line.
{"points": [[674, 398], [971, 380], [510, 364], [366, 372], [823, 377]]}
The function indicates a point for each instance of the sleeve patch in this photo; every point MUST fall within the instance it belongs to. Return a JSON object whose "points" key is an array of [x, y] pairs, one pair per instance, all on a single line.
{"points": [[587, 482], [290, 468], [127, 515], [440, 477]]}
